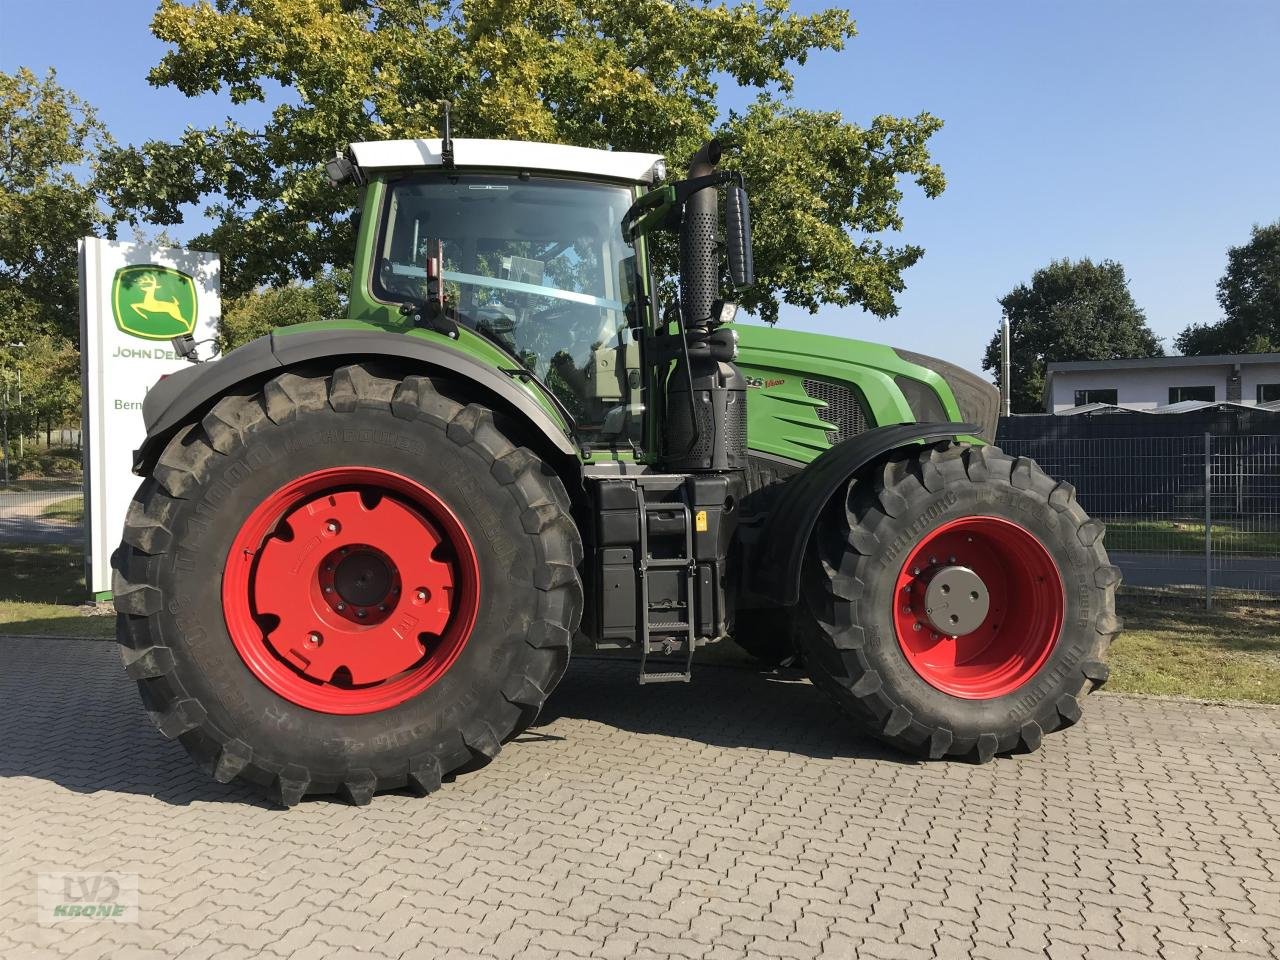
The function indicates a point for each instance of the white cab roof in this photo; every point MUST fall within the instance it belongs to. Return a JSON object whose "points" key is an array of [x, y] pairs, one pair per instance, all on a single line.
{"points": [[507, 154]]}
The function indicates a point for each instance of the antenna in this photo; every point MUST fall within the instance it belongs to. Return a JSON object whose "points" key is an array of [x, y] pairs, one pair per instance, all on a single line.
{"points": [[446, 138]]}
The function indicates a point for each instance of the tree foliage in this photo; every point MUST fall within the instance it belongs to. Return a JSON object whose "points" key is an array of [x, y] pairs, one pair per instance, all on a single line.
{"points": [[50, 378], [1249, 294], [1072, 310], [49, 141], [49, 138], [625, 74], [260, 311]]}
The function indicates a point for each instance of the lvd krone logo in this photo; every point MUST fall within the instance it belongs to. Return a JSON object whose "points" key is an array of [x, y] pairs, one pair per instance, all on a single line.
{"points": [[153, 302]]}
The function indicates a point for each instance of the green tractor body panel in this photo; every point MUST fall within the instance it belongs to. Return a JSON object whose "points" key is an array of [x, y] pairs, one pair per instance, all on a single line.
{"points": [[785, 419]]}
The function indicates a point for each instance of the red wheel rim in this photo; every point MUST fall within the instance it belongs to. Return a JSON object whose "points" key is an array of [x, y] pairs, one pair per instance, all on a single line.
{"points": [[350, 590], [1014, 638]]}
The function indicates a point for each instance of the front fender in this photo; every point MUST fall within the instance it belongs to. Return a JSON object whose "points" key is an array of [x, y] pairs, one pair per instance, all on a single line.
{"points": [[177, 399], [780, 547]]}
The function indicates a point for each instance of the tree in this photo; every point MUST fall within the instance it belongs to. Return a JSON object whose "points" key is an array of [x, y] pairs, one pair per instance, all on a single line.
{"points": [[1249, 294], [258, 312], [629, 74], [48, 138], [1073, 310], [50, 366]]}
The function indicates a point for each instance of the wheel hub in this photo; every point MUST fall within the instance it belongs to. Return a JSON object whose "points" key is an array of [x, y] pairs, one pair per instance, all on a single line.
{"points": [[350, 590], [361, 583], [956, 601], [979, 605]]}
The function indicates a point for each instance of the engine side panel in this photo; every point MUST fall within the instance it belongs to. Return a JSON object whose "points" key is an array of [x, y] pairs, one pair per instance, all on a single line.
{"points": [[807, 392]]}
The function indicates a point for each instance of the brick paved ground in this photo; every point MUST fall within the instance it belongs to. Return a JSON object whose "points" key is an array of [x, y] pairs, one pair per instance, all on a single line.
{"points": [[736, 818]]}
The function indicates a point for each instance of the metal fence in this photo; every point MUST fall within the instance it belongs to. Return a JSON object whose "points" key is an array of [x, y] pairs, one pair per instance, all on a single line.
{"points": [[1198, 512], [42, 540]]}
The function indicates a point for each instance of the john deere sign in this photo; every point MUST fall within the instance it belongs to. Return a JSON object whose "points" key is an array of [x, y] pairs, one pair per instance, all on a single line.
{"points": [[134, 300], [153, 302]]}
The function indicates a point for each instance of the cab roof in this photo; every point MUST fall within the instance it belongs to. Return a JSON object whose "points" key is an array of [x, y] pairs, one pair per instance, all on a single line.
{"points": [[509, 155]]}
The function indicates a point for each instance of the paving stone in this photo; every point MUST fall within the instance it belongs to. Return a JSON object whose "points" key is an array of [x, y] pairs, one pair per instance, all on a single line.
{"points": [[740, 819]]}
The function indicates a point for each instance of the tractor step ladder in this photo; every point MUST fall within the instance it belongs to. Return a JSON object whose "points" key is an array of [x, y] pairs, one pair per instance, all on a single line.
{"points": [[666, 642]]}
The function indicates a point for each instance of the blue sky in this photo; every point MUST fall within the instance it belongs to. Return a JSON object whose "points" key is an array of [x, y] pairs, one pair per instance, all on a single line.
{"points": [[1143, 131]]}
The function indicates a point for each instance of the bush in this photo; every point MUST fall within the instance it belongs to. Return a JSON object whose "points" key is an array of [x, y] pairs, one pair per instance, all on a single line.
{"points": [[57, 462]]}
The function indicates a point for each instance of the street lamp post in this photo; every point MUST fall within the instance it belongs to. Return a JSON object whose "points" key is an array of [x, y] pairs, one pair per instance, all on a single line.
{"points": [[4, 426], [4, 415], [22, 450]]}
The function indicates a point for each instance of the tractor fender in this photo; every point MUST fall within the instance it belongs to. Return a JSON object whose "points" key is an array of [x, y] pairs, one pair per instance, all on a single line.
{"points": [[178, 398], [785, 533]]}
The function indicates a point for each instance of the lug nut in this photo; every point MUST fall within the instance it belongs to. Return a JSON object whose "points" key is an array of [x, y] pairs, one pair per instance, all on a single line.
{"points": [[916, 626], [328, 589], [361, 614], [341, 607], [332, 526], [314, 639], [382, 608], [422, 595]]}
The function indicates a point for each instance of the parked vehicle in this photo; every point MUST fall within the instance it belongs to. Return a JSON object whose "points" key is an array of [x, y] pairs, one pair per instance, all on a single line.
{"points": [[362, 548]]}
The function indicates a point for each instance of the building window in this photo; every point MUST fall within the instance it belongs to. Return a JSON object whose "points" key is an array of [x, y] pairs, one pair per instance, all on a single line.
{"points": [[1096, 396], [1268, 392], [1179, 394]]}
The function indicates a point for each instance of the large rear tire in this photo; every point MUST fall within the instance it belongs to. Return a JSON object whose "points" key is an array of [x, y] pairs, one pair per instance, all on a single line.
{"points": [[959, 535], [346, 583]]}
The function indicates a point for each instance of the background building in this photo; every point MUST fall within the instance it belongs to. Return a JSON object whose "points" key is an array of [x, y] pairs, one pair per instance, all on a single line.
{"points": [[1154, 382]]}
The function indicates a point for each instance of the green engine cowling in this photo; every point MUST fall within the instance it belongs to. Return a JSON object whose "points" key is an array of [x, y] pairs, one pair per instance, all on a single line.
{"points": [[806, 392]]}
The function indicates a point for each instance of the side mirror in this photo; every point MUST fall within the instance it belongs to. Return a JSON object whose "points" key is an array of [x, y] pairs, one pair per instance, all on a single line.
{"points": [[737, 233]]}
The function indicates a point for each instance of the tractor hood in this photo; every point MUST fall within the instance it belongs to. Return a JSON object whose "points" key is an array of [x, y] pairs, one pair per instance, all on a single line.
{"points": [[808, 391]]}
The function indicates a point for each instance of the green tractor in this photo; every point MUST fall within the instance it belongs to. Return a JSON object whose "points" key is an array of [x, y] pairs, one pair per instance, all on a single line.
{"points": [[362, 549]]}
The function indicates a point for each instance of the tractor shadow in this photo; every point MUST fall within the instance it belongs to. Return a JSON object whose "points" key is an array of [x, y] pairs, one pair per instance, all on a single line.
{"points": [[727, 704], [72, 718]]}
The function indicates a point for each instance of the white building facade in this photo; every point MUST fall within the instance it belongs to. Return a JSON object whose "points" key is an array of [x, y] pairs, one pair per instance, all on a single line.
{"points": [[1151, 382]]}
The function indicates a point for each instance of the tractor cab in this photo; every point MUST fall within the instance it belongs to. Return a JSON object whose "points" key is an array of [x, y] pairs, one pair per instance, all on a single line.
{"points": [[518, 244]]}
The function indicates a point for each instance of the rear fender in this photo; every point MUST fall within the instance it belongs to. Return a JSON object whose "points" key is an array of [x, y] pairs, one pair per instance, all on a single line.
{"points": [[779, 550], [180, 398]]}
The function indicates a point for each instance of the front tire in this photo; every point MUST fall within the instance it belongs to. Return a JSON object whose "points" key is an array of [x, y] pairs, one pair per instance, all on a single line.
{"points": [[346, 583], [1016, 548]]}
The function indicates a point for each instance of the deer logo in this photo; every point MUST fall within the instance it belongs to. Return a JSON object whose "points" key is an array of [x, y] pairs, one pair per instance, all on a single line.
{"points": [[154, 302]]}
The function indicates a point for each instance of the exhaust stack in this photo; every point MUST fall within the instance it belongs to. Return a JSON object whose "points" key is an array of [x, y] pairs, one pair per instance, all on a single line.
{"points": [[705, 420]]}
